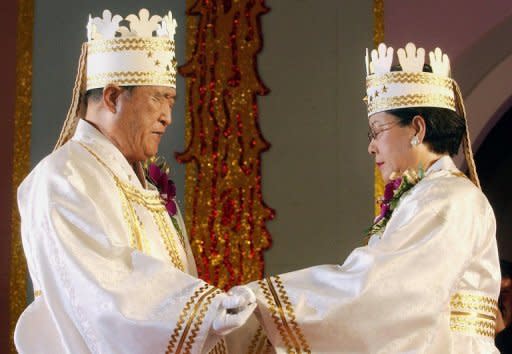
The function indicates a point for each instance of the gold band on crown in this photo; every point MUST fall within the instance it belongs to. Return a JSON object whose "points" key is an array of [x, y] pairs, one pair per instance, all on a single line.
{"points": [[132, 78], [131, 61], [400, 77], [408, 89], [124, 44]]}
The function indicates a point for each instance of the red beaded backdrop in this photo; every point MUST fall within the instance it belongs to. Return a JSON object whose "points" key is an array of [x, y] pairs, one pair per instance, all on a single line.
{"points": [[225, 212]]}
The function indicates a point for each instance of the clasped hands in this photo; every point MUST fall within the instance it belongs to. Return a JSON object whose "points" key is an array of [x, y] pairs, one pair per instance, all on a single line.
{"points": [[235, 308]]}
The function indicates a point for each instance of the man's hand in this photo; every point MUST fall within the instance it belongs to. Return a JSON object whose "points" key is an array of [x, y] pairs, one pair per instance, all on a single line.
{"points": [[235, 309]]}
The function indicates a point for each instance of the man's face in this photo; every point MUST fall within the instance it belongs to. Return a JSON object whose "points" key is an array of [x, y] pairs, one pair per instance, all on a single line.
{"points": [[142, 115]]}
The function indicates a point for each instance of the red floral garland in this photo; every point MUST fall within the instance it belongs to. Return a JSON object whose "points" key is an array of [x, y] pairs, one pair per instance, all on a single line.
{"points": [[225, 212]]}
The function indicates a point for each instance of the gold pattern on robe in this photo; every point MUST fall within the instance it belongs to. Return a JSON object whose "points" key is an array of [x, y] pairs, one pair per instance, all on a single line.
{"points": [[283, 315], [154, 205], [195, 309], [473, 314]]}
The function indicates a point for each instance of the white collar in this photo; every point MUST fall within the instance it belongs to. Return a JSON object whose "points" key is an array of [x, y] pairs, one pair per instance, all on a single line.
{"points": [[87, 134], [445, 163]]}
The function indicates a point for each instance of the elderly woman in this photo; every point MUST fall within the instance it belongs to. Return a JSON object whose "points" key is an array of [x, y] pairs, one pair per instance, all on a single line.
{"points": [[428, 279]]}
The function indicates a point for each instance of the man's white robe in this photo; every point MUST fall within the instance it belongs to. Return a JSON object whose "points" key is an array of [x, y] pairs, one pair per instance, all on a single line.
{"points": [[110, 271], [427, 284]]}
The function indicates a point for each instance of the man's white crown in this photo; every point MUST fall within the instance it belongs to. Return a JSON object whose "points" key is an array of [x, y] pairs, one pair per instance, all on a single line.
{"points": [[142, 26], [131, 51], [411, 59]]}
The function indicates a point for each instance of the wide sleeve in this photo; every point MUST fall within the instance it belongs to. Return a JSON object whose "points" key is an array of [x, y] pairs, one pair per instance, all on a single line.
{"points": [[392, 296], [101, 295]]}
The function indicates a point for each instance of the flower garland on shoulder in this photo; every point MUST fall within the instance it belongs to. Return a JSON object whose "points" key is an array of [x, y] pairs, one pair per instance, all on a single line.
{"points": [[393, 191], [157, 172]]}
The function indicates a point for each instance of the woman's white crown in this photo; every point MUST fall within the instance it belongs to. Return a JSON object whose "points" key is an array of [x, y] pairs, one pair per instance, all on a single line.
{"points": [[411, 59]]}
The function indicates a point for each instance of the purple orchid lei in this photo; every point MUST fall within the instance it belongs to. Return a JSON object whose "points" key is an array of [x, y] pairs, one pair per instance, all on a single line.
{"points": [[393, 191], [157, 171]]}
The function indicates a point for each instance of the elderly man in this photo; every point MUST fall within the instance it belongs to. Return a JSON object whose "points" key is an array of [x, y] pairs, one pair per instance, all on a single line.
{"points": [[112, 272]]}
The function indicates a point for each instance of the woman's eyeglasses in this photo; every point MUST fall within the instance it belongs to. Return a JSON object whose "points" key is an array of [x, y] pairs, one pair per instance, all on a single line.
{"points": [[374, 133]]}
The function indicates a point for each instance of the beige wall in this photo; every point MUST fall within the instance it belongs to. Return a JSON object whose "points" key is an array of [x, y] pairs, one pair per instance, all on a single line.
{"points": [[317, 175]]}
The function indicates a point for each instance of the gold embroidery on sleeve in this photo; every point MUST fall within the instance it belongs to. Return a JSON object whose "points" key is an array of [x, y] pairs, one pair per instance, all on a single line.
{"points": [[274, 313], [473, 314], [259, 343], [195, 309], [199, 320], [291, 314], [220, 348], [287, 332]]}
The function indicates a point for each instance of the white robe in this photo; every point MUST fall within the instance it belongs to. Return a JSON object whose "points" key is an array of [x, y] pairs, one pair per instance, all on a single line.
{"points": [[111, 273], [428, 284]]}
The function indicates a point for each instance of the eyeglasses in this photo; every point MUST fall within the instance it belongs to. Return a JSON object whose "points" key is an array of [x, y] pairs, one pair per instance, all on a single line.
{"points": [[374, 133]]}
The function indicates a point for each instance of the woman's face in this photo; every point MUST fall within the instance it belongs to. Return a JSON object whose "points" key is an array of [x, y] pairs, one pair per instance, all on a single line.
{"points": [[390, 144]]}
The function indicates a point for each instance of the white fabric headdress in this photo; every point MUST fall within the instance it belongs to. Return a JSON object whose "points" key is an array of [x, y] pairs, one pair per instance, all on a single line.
{"points": [[411, 87], [134, 51], [141, 54]]}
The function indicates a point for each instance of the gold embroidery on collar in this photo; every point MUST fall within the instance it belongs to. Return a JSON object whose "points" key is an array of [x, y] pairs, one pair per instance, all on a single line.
{"points": [[473, 314], [130, 219], [153, 203], [168, 238]]}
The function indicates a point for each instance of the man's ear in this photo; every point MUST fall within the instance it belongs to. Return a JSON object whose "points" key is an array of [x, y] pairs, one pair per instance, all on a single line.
{"points": [[111, 94]]}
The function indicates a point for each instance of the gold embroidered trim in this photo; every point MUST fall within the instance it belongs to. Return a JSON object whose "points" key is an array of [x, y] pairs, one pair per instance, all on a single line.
{"points": [[274, 313], [279, 316], [473, 314], [37, 293], [474, 303], [199, 321], [459, 174], [400, 77], [138, 239], [468, 323], [259, 343], [205, 293], [167, 236], [220, 348], [132, 78], [129, 218], [126, 44], [415, 100], [150, 200], [291, 314], [183, 315], [154, 204]]}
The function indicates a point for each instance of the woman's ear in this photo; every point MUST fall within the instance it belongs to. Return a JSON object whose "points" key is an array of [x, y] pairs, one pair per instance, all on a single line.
{"points": [[111, 95], [419, 126]]}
